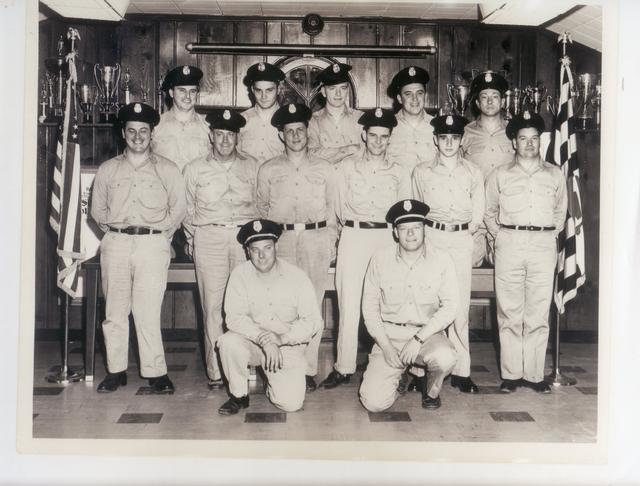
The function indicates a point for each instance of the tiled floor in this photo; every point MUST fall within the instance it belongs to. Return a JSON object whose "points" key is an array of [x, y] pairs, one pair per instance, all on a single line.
{"points": [[568, 414]]}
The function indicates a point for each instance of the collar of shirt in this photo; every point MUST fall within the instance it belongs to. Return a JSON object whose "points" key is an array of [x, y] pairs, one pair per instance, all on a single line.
{"points": [[275, 272], [325, 113], [424, 118], [364, 163], [439, 166], [172, 114], [151, 158], [422, 256], [476, 127], [264, 115], [539, 165]]}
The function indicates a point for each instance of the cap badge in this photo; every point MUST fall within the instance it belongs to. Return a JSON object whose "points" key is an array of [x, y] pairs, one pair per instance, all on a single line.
{"points": [[526, 115], [186, 71], [336, 68], [407, 205], [378, 113], [412, 71], [137, 108], [488, 78], [449, 120], [261, 66], [226, 115], [292, 108], [257, 226]]}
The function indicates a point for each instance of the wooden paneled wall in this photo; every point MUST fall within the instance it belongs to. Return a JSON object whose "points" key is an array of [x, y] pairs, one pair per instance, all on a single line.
{"points": [[150, 45]]}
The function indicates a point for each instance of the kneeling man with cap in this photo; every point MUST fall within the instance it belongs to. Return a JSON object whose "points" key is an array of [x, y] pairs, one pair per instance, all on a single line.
{"points": [[410, 297], [271, 313], [526, 205]]}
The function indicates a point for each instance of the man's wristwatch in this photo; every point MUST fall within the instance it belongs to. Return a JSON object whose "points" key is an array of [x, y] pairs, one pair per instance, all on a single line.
{"points": [[421, 341]]}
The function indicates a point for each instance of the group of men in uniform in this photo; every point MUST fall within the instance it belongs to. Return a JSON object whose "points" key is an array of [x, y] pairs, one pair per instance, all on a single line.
{"points": [[404, 202]]}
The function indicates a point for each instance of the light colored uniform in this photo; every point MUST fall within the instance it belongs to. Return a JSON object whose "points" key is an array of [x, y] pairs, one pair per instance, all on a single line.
{"points": [[258, 137], [525, 261], [487, 150], [401, 300], [364, 193], [410, 145], [454, 197], [328, 134], [290, 194], [181, 142], [220, 199], [282, 301], [134, 267]]}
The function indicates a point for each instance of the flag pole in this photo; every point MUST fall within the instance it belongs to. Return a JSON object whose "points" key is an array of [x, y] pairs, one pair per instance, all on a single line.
{"points": [[557, 378], [63, 374]]}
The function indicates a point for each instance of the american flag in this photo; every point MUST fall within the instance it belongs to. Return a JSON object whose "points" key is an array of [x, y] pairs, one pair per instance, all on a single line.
{"points": [[65, 193], [570, 271]]}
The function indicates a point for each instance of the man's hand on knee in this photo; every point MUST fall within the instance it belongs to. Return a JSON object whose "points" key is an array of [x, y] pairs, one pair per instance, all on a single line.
{"points": [[410, 352], [273, 357]]}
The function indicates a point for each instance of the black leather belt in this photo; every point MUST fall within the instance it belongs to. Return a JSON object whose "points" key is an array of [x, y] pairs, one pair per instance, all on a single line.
{"points": [[446, 227], [225, 225], [304, 226], [403, 324], [365, 224], [135, 230], [528, 228]]}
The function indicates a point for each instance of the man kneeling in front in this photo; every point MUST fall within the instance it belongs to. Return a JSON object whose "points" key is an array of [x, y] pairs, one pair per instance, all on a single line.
{"points": [[410, 296], [271, 314]]}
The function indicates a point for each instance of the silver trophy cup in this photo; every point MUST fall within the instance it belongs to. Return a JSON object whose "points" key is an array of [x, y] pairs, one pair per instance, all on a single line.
{"points": [[107, 78], [459, 95], [86, 93], [585, 93], [535, 97]]}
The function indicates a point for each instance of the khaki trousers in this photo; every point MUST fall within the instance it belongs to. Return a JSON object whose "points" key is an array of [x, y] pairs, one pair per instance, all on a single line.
{"points": [[525, 263], [134, 278], [215, 253], [285, 388], [355, 249], [309, 250], [459, 245], [380, 381], [483, 247]]}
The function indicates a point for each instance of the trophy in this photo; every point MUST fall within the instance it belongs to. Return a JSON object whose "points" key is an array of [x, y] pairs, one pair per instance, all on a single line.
{"points": [[86, 93], [506, 104], [44, 101], [160, 106], [459, 97], [126, 80], [597, 99], [585, 93], [107, 78], [535, 95], [57, 72], [513, 101]]}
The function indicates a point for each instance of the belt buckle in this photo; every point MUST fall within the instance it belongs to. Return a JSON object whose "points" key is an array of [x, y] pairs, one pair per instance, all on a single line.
{"points": [[299, 226]]}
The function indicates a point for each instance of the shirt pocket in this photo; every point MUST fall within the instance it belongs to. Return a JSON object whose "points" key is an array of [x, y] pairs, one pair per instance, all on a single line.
{"points": [[210, 191], [384, 192], [426, 294], [280, 188], [545, 199], [152, 194], [358, 191], [514, 198], [393, 293]]}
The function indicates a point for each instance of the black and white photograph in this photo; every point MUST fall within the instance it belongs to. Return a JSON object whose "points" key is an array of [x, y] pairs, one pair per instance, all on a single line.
{"points": [[330, 231]]}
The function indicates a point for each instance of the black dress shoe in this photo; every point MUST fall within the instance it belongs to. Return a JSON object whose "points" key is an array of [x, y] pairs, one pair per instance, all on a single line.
{"points": [[112, 381], [509, 386], [215, 384], [403, 384], [430, 403], [234, 405], [334, 379], [161, 385], [464, 383], [311, 383], [539, 386]]}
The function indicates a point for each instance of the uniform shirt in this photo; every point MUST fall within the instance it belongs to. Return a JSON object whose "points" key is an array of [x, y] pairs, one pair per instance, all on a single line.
{"points": [[302, 194], [411, 145], [486, 150], [365, 192], [424, 292], [220, 192], [282, 301], [181, 142], [151, 195], [453, 197], [516, 197], [328, 134], [258, 137]]}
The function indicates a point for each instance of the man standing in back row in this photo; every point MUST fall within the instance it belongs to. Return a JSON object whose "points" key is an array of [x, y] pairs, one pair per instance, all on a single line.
{"points": [[258, 137], [526, 209]]}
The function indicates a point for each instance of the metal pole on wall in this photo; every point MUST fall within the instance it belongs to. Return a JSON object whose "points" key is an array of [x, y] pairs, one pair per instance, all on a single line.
{"points": [[62, 374], [556, 378]]}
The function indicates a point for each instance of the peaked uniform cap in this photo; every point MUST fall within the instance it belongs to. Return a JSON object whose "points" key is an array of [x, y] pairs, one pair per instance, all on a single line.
{"points": [[335, 73], [407, 211], [258, 229], [449, 124], [290, 113], [262, 71], [488, 80], [525, 119], [138, 112], [378, 117], [226, 120], [408, 75], [182, 76]]}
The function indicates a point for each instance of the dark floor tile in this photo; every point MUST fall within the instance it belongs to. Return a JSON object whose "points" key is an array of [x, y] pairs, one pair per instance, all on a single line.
{"points": [[177, 367], [588, 390], [146, 390], [140, 418], [47, 391], [180, 349], [572, 369], [488, 390], [511, 417], [389, 417], [479, 369], [265, 417]]}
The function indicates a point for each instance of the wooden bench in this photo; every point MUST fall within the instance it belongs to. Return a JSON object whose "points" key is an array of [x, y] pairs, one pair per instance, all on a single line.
{"points": [[482, 292]]}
